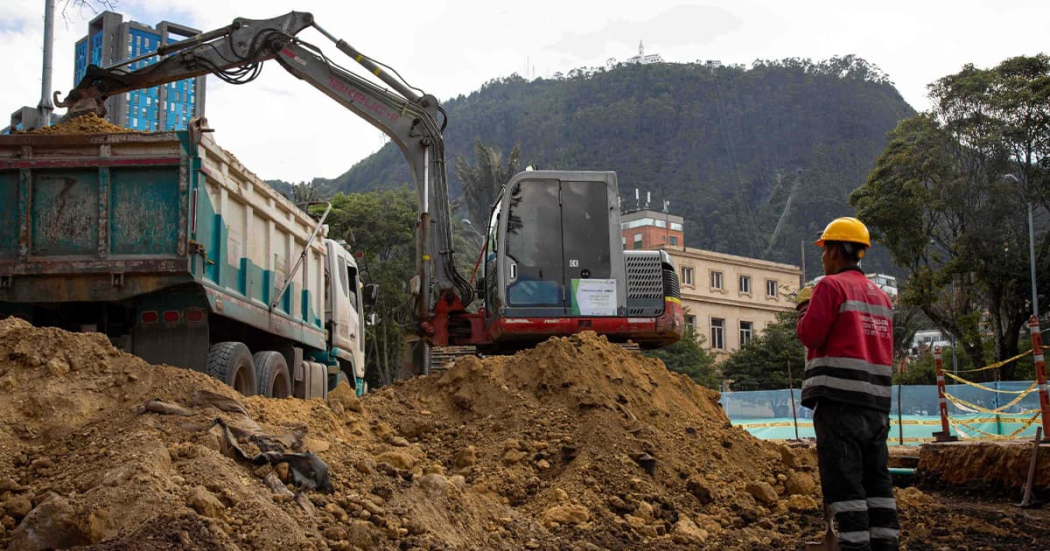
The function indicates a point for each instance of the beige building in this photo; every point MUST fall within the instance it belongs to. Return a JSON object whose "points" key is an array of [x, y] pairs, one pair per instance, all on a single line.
{"points": [[728, 299], [732, 299]]}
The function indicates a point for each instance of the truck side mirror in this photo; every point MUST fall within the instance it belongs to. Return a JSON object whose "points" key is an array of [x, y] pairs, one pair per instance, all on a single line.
{"points": [[371, 294]]}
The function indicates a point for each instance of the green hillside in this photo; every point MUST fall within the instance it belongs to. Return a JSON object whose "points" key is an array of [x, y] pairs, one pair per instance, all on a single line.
{"points": [[755, 159]]}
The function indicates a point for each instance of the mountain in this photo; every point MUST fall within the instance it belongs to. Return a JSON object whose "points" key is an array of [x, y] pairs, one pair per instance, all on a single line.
{"points": [[755, 159]]}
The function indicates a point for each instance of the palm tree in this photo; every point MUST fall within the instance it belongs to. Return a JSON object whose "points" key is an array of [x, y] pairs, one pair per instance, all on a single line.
{"points": [[483, 180]]}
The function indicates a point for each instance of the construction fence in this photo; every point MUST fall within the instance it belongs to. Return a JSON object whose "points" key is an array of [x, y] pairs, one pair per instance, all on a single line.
{"points": [[962, 410], [1008, 409]]}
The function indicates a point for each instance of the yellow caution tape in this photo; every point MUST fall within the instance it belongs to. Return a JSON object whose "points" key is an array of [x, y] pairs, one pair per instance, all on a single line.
{"points": [[746, 425], [988, 434], [967, 406], [988, 388], [996, 365]]}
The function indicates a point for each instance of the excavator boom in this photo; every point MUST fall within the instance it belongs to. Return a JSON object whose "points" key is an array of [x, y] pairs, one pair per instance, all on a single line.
{"points": [[409, 117]]}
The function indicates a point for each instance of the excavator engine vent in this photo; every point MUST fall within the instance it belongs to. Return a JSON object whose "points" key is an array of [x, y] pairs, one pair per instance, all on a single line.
{"points": [[645, 283]]}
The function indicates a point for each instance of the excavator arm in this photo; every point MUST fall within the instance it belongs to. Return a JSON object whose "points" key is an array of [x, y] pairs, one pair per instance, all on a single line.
{"points": [[410, 117]]}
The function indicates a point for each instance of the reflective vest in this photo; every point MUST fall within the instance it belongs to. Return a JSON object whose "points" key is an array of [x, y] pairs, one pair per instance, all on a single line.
{"points": [[848, 333]]}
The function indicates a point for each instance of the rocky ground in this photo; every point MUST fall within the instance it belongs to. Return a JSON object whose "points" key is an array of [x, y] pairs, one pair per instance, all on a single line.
{"points": [[576, 444]]}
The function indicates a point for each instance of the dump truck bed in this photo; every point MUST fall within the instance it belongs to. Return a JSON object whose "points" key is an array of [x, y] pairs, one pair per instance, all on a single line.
{"points": [[118, 217]]}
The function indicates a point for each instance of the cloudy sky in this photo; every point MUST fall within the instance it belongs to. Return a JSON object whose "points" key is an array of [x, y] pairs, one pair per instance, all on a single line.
{"points": [[282, 128]]}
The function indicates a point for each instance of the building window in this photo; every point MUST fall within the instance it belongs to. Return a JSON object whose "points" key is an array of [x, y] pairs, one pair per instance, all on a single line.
{"points": [[746, 332], [637, 241], [623, 241], [771, 288], [745, 285], [687, 275], [716, 281], [718, 333], [690, 324], [674, 239]]}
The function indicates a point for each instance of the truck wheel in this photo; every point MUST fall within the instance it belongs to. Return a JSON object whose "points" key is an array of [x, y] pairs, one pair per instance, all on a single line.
{"points": [[231, 363], [271, 370]]}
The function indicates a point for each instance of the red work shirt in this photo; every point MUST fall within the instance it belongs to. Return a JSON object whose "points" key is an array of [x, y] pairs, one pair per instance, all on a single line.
{"points": [[848, 334]]}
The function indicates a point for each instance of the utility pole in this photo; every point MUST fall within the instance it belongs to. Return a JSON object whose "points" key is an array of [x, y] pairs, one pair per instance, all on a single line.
{"points": [[46, 105], [802, 283]]}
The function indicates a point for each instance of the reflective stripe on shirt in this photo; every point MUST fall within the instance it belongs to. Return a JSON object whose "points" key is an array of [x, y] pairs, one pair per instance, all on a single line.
{"points": [[861, 306], [851, 363], [878, 391]]}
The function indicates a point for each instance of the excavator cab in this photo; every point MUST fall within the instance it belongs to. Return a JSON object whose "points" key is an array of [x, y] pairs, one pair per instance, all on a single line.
{"points": [[556, 246], [555, 266]]}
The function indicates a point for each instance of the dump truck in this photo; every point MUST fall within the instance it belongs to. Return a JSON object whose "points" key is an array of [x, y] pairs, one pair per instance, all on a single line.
{"points": [[168, 245]]}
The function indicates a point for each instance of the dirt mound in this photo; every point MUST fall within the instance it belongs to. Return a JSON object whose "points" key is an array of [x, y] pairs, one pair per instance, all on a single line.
{"points": [[85, 124], [601, 444], [575, 444]]}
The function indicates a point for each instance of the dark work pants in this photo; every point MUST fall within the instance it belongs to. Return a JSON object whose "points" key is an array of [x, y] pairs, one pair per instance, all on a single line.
{"points": [[854, 474]]}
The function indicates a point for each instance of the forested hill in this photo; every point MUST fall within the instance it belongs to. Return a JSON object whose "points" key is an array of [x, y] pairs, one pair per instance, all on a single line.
{"points": [[755, 159]]}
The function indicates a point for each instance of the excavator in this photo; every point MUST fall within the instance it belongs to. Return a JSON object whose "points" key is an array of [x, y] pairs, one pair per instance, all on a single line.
{"points": [[554, 263]]}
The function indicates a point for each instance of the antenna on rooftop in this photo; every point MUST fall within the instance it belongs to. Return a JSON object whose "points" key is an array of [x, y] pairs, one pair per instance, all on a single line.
{"points": [[667, 206], [637, 201]]}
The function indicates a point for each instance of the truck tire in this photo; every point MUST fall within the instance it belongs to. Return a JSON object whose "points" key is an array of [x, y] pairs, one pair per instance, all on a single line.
{"points": [[271, 370], [231, 363]]}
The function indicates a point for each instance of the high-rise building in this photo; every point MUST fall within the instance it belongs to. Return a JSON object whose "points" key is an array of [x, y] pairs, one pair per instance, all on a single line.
{"points": [[111, 40]]}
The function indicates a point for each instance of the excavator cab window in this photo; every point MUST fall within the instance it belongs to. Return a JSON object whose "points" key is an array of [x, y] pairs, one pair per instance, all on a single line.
{"points": [[534, 245]]}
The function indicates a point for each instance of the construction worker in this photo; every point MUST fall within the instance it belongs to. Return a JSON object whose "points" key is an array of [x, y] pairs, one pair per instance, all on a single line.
{"points": [[846, 324]]}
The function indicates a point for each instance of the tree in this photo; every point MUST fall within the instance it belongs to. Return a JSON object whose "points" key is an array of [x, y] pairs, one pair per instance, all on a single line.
{"points": [[379, 227], [305, 193], [762, 364], [907, 320], [948, 199], [94, 6], [483, 180], [689, 357]]}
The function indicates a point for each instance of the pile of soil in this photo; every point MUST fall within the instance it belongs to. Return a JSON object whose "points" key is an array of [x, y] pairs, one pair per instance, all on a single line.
{"points": [[84, 124], [576, 444]]}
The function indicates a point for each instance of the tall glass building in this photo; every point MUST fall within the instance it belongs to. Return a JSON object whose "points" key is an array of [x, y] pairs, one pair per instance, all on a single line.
{"points": [[110, 40]]}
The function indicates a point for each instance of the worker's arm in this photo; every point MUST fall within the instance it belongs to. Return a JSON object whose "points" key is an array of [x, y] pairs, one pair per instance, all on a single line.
{"points": [[816, 320]]}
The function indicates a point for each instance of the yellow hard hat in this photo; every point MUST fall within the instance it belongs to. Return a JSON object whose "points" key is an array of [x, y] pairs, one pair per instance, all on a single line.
{"points": [[845, 229]]}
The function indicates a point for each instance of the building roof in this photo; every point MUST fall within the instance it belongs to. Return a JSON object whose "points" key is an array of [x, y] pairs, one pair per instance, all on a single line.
{"points": [[701, 254]]}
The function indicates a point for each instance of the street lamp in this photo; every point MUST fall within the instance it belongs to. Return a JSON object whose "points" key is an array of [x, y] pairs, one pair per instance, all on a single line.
{"points": [[476, 232], [1031, 248]]}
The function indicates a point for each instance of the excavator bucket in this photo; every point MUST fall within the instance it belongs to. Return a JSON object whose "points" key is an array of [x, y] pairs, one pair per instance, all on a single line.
{"points": [[86, 106]]}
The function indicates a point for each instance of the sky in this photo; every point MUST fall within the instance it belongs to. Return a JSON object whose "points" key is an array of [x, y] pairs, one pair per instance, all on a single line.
{"points": [[282, 128]]}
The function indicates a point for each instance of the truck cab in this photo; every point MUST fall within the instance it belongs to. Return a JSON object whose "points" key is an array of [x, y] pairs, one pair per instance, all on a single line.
{"points": [[345, 309]]}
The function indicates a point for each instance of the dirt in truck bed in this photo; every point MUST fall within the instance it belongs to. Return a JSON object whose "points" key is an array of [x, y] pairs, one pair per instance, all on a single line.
{"points": [[576, 444], [84, 124]]}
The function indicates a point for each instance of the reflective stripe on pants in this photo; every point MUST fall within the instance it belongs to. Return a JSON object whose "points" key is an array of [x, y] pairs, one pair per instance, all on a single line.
{"points": [[851, 450]]}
